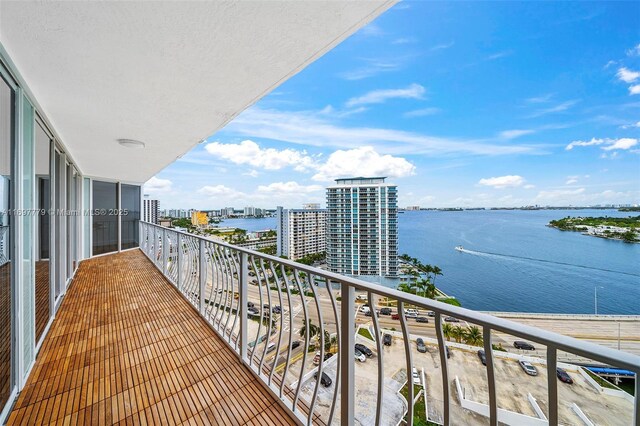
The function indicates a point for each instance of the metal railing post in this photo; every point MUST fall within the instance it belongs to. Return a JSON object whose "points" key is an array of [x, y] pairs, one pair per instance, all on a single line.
{"points": [[552, 385], [491, 378], [347, 341], [202, 273], [243, 289], [165, 251], [179, 248]]}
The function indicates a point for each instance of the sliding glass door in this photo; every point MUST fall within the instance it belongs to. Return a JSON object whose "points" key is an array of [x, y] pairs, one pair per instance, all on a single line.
{"points": [[105, 218], [43, 225], [7, 192]]}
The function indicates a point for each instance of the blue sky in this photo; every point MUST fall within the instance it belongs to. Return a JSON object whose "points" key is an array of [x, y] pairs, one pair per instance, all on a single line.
{"points": [[460, 104]]}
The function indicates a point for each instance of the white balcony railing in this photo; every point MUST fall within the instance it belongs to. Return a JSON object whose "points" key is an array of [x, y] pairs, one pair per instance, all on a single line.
{"points": [[220, 280]]}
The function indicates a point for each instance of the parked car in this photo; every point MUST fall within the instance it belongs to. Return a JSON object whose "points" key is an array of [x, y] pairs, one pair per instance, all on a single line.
{"points": [[328, 355], [271, 347], [386, 339], [359, 356], [422, 319], [395, 317], [482, 357], [521, 344], [421, 346], [415, 376], [367, 314], [365, 350], [325, 380], [528, 368], [451, 319], [253, 311], [385, 311], [365, 309], [266, 306], [431, 314], [250, 305], [564, 376], [316, 358], [410, 313], [276, 309], [295, 344]]}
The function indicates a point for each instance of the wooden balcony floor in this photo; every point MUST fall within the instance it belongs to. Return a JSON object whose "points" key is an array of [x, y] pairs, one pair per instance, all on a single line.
{"points": [[126, 348]]}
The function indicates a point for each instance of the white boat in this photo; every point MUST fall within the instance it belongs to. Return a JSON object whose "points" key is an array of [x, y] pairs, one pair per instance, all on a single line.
{"points": [[459, 248]]}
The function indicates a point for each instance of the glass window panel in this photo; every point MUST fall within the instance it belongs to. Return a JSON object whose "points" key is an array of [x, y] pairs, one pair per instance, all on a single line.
{"points": [[7, 102], [43, 189], [130, 213], [87, 217], [28, 221], [105, 222]]}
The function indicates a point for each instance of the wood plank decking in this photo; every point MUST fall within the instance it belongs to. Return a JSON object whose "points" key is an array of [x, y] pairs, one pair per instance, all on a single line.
{"points": [[126, 348]]}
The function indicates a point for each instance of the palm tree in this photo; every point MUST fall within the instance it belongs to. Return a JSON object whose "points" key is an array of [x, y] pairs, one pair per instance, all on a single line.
{"points": [[447, 329], [473, 336], [313, 330], [457, 333], [327, 341], [430, 290], [436, 271], [407, 288]]}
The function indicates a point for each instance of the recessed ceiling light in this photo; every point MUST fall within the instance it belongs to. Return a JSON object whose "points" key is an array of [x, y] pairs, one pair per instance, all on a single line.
{"points": [[131, 143]]}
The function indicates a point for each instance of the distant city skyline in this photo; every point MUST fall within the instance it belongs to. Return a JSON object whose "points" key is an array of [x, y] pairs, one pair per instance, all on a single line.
{"points": [[461, 105]]}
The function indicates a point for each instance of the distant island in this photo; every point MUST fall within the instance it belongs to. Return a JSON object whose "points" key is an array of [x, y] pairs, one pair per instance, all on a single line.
{"points": [[616, 228]]}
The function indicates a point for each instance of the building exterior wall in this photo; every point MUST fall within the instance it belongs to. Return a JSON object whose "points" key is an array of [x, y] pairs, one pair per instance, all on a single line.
{"points": [[151, 208], [301, 232], [199, 218], [362, 227]]}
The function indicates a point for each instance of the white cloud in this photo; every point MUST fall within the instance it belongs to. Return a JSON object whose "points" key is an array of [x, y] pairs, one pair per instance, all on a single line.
{"points": [[634, 51], [628, 126], [634, 90], [529, 186], [404, 40], [249, 152], [219, 190], [609, 144], [498, 55], [622, 143], [423, 112], [363, 161], [442, 46], [515, 133], [156, 185], [373, 67], [288, 188], [510, 181], [627, 75], [540, 99], [413, 91], [251, 173], [571, 180], [311, 129], [558, 108]]}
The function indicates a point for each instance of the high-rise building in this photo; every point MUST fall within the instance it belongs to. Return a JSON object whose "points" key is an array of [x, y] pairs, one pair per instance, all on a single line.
{"points": [[199, 218], [301, 231], [150, 209], [362, 227]]}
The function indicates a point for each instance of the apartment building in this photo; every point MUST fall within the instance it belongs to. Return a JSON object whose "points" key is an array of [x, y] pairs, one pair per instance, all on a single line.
{"points": [[362, 227], [150, 209], [301, 232]]}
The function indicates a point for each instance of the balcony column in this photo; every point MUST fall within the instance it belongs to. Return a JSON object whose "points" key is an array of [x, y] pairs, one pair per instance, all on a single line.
{"points": [[165, 252], [202, 273], [346, 353], [179, 248]]}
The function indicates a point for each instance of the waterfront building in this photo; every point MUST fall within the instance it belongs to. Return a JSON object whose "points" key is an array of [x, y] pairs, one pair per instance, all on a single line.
{"points": [[150, 209], [199, 218], [301, 232], [362, 227]]}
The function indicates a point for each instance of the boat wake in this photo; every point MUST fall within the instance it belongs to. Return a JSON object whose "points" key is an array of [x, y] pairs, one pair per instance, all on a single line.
{"points": [[533, 259]]}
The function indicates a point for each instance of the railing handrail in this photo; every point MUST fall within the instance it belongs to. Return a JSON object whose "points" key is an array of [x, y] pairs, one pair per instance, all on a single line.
{"points": [[548, 338]]}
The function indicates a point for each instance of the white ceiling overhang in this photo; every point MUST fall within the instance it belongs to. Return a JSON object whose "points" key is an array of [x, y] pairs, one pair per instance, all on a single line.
{"points": [[166, 73]]}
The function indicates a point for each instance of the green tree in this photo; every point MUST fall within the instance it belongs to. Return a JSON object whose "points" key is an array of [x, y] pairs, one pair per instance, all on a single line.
{"points": [[313, 330], [447, 330], [457, 333], [472, 336]]}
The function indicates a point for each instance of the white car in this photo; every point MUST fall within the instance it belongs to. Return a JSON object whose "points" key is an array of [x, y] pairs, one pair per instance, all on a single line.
{"points": [[528, 368], [411, 313], [365, 309], [359, 356], [416, 377]]}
